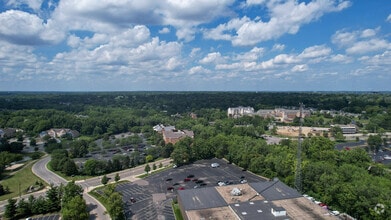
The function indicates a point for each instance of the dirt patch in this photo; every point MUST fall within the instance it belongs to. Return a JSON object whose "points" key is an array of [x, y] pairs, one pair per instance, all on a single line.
{"points": [[14, 167], [293, 131]]}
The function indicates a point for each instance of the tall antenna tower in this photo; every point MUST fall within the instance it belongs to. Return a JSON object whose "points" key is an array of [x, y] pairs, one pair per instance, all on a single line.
{"points": [[298, 165]]}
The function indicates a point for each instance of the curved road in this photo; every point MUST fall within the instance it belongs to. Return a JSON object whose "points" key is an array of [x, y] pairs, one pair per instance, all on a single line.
{"points": [[96, 209]]}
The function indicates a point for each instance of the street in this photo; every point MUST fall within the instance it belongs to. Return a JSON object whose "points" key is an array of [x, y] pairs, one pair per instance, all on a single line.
{"points": [[95, 208]]}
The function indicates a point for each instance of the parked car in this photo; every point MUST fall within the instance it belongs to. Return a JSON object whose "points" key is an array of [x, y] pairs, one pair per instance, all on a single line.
{"points": [[214, 165]]}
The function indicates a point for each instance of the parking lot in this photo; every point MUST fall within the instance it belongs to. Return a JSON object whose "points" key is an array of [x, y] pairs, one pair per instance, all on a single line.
{"points": [[151, 198]]}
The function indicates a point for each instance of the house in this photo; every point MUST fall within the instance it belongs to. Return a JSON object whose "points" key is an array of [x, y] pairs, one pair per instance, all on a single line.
{"points": [[8, 132], [61, 132]]}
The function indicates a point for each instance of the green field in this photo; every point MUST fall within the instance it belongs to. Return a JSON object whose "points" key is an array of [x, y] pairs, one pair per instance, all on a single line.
{"points": [[18, 182]]}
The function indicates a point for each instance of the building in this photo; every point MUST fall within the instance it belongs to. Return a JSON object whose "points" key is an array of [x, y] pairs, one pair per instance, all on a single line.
{"points": [[8, 132], [279, 114], [61, 132], [173, 136], [348, 129], [240, 111], [261, 200]]}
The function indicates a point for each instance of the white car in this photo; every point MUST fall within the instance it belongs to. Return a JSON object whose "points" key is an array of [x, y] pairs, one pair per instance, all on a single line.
{"points": [[214, 165]]}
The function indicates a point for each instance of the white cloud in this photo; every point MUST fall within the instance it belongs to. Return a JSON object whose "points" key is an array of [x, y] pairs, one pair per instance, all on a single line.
{"points": [[368, 33], [300, 68], [285, 17], [362, 47], [252, 55], [164, 30], [278, 47], [389, 18], [340, 58], [360, 42], [194, 52], [198, 70], [255, 2], [33, 4], [109, 16], [214, 58], [31, 30], [315, 52]]}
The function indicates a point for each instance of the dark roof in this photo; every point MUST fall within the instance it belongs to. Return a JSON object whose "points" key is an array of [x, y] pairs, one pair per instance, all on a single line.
{"points": [[258, 209], [202, 198], [275, 190]]}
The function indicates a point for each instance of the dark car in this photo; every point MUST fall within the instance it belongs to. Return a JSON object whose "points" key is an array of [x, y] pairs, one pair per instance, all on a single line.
{"points": [[186, 179], [199, 181], [190, 176], [132, 200], [181, 188], [170, 188], [175, 184], [168, 179]]}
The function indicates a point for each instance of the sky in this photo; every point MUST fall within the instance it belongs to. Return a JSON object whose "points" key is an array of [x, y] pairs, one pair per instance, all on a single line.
{"points": [[195, 45]]}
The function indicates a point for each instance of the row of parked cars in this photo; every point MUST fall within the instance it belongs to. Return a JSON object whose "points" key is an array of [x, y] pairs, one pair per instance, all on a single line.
{"points": [[321, 204]]}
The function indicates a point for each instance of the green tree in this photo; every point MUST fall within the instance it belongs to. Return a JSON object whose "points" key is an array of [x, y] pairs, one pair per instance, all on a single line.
{"points": [[75, 208], [147, 168], [149, 158], [69, 167], [104, 180], [117, 177], [53, 198], [70, 190], [23, 208], [33, 142], [115, 209], [154, 167], [374, 142], [10, 209]]}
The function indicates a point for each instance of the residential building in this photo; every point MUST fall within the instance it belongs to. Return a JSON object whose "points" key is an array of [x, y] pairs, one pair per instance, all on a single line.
{"points": [[61, 132], [8, 132]]}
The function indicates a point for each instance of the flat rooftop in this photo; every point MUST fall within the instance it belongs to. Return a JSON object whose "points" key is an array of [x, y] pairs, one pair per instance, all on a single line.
{"points": [[202, 198]]}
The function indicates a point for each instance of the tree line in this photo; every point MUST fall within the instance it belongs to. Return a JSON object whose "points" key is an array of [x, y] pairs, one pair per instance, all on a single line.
{"points": [[67, 199]]}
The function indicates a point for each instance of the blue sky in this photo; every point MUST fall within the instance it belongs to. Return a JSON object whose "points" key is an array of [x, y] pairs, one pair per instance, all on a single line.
{"points": [[195, 45]]}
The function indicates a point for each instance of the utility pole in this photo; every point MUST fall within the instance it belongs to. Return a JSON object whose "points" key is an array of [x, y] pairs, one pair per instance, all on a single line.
{"points": [[298, 157]]}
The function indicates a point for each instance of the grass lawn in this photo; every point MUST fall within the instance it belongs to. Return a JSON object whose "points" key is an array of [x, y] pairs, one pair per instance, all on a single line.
{"points": [[177, 211], [20, 180]]}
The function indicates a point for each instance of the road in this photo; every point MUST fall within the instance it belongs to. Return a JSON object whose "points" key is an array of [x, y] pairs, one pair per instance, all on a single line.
{"points": [[40, 169], [129, 174], [96, 209]]}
